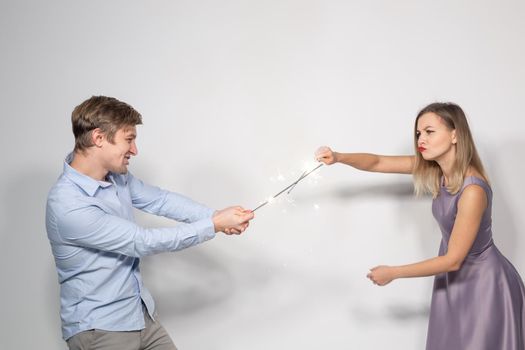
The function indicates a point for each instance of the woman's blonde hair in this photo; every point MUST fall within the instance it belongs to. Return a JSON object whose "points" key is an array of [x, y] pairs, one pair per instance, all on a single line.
{"points": [[427, 174]]}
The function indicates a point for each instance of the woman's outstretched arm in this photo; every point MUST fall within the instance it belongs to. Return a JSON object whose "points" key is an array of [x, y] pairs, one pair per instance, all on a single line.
{"points": [[367, 161]]}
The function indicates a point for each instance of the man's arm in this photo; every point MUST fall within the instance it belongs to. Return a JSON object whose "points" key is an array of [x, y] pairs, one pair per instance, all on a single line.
{"points": [[155, 200], [86, 225]]}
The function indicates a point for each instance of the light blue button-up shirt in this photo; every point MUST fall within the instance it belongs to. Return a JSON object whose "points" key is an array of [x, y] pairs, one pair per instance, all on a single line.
{"points": [[97, 245]]}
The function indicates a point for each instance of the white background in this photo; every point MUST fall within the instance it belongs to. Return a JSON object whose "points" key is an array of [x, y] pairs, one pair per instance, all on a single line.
{"points": [[232, 94]]}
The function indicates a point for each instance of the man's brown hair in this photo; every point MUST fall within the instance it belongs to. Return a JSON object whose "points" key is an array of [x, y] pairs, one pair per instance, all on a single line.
{"points": [[105, 113]]}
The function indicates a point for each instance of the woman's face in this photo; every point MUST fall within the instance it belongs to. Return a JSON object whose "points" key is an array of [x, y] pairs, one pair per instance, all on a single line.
{"points": [[435, 140]]}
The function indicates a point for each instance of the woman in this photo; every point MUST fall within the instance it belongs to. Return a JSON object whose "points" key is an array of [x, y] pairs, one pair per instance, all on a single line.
{"points": [[478, 296]]}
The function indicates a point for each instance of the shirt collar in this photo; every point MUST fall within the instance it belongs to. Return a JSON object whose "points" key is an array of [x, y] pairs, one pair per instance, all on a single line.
{"points": [[88, 184]]}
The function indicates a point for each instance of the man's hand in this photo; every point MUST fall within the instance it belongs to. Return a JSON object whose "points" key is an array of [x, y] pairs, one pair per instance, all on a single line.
{"points": [[232, 220]]}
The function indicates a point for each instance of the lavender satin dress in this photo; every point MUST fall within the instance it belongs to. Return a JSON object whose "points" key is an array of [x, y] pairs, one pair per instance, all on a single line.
{"points": [[482, 305]]}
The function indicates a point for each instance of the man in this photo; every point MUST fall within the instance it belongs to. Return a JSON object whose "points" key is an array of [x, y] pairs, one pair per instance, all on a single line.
{"points": [[96, 242]]}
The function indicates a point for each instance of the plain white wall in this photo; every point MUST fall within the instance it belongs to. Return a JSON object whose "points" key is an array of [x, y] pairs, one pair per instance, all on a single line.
{"points": [[232, 94]]}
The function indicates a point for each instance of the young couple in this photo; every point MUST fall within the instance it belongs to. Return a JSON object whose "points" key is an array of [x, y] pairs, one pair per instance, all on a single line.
{"points": [[478, 297]]}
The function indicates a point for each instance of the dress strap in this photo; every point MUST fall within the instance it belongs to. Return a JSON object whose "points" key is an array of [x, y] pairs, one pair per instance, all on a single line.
{"points": [[473, 180]]}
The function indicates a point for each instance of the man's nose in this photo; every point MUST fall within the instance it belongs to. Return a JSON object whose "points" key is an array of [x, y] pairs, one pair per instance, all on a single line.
{"points": [[134, 150]]}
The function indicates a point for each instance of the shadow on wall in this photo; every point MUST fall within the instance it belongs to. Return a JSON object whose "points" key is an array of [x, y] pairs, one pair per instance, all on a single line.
{"points": [[506, 170], [186, 281], [204, 277], [415, 215], [398, 189], [30, 275], [193, 279]]}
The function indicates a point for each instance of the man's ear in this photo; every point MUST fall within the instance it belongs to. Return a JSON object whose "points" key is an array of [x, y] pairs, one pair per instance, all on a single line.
{"points": [[97, 137]]}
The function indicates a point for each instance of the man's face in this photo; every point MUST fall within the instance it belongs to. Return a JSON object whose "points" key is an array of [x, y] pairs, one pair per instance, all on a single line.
{"points": [[116, 155]]}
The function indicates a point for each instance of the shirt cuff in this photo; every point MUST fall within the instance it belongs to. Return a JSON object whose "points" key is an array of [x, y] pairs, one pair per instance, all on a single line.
{"points": [[205, 229]]}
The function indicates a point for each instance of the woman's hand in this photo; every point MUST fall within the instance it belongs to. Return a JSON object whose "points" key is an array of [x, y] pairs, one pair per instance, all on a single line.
{"points": [[381, 275], [326, 155]]}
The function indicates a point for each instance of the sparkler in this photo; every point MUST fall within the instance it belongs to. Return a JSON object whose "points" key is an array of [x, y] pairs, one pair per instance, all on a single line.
{"points": [[289, 188]]}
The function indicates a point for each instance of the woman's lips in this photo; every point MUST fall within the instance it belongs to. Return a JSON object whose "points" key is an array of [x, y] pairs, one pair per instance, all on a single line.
{"points": [[421, 149]]}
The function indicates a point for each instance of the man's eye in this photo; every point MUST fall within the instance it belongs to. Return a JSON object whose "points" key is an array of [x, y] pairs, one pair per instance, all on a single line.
{"points": [[430, 131]]}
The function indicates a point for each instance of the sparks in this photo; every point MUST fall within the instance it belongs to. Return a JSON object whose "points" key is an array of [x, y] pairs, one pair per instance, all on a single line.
{"points": [[290, 187]]}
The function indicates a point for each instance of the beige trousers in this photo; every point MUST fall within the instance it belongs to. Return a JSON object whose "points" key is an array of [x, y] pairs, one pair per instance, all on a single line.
{"points": [[153, 337]]}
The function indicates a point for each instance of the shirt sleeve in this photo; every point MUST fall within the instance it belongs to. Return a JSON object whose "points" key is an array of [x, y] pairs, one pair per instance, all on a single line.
{"points": [[155, 200], [87, 225]]}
